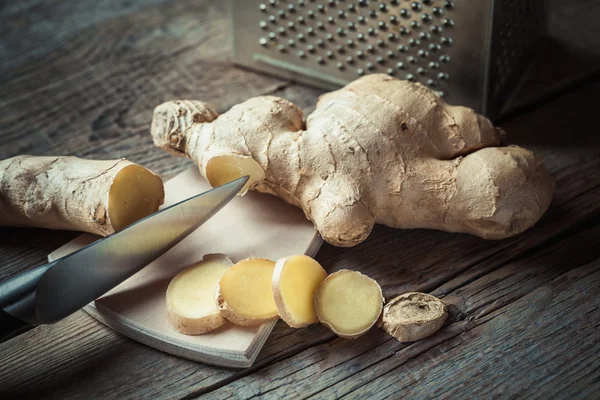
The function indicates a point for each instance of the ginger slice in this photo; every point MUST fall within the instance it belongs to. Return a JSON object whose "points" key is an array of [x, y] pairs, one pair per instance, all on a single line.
{"points": [[349, 303], [413, 316], [134, 194], [295, 281], [228, 167], [244, 295], [191, 307]]}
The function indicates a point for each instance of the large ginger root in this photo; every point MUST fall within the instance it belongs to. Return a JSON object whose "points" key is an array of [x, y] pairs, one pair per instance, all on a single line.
{"points": [[71, 193], [379, 150]]}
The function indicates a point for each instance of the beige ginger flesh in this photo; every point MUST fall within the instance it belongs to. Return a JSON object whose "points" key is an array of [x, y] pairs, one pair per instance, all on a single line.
{"points": [[349, 303], [226, 168], [413, 316], [190, 296], [244, 294], [295, 281], [379, 150], [97, 196]]}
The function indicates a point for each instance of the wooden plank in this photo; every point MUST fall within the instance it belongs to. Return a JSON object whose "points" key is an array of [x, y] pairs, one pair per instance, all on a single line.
{"points": [[395, 248], [92, 94], [537, 332], [404, 261], [522, 314]]}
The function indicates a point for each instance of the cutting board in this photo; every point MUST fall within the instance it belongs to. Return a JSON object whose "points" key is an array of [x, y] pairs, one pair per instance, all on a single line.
{"points": [[256, 224]]}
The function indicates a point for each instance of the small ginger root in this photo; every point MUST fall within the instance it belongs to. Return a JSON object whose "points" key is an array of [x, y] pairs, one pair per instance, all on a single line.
{"points": [[379, 150], [244, 294], [71, 193], [295, 281], [349, 303], [413, 316], [191, 307]]}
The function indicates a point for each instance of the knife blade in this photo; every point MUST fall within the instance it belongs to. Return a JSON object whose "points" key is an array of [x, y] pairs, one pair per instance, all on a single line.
{"points": [[53, 291]]}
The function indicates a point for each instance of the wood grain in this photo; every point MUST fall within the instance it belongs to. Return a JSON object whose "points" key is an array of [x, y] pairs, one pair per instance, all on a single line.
{"points": [[82, 78]]}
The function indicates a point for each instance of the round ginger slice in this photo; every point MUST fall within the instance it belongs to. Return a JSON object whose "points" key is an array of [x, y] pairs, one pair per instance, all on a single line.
{"points": [[191, 307], [244, 294], [349, 303], [295, 281], [413, 316]]}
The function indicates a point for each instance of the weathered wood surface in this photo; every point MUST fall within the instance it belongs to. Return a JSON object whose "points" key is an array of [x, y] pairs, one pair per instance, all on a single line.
{"points": [[82, 77]]}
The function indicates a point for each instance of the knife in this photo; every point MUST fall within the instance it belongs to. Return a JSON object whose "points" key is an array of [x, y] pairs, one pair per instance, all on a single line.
{"points": [[51, 292]]}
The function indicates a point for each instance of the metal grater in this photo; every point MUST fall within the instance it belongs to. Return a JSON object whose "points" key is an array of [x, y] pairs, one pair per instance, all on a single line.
{"points": [[472, 52]]}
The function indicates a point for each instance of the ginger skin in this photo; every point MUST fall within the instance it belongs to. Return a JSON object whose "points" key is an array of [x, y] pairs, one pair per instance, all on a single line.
{"points": [[413, 316], [379, 150], [96, 196]]}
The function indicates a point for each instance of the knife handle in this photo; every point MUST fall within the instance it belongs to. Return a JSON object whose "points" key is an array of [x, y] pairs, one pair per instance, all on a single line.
{"points": [[11, 326]]}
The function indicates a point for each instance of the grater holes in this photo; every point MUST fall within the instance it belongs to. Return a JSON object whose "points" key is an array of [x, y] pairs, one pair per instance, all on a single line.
{"points": [[360, 37]]}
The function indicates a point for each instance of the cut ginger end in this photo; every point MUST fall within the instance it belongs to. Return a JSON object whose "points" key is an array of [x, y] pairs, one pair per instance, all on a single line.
{"points": [[191, 307], [134, 194], [226, 168], [295, 281], [349, 303], [244, 294]]}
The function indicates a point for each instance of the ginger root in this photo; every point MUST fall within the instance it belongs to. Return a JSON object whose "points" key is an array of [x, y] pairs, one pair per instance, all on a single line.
{"points": [[295, 281], [379, 150], [349, 303], [413, 316], [244, 295], [191, 307], [71, 193]]}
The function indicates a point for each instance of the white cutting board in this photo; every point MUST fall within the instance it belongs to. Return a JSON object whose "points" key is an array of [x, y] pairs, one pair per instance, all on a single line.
{"points": [[257, 225]]}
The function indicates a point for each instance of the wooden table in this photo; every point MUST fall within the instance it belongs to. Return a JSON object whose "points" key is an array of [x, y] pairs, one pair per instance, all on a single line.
{"points": [[82, 77]]}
